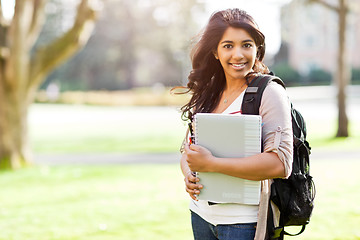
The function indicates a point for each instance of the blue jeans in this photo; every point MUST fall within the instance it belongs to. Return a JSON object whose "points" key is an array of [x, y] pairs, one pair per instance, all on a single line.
{"points": [[203, 230]]}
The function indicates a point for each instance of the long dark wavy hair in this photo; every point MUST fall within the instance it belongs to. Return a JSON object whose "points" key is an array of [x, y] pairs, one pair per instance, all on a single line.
{"points": [[207, 78]]}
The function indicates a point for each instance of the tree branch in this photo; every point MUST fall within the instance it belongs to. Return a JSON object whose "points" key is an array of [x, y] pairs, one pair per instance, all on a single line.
{"points": [[3, 28], [17, 77], [47, 58], [20, 22], [37, 20]]}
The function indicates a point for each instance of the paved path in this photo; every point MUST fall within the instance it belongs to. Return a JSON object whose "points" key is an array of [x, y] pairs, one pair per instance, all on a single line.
{"points": [[160, 158]]}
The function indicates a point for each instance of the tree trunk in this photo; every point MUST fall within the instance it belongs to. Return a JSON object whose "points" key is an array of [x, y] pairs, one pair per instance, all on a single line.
{"points": [[14, 148], [342, 72], [342, 75], [22, 73]]}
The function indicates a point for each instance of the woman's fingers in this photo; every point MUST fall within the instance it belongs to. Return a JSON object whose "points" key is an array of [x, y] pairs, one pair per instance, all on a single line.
{"points": [[192, 177], [191, 185], [193, 192], [194, 147]]}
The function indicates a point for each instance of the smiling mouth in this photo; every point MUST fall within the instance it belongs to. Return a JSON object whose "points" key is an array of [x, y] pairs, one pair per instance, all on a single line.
{"points": [[238, 66]]}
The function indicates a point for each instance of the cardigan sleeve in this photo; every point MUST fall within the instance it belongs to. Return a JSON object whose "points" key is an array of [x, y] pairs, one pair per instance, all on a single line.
{"points": [[277, 136]]}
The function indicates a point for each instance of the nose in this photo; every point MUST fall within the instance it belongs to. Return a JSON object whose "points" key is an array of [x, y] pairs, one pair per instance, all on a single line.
{"points": [[238, 54]]}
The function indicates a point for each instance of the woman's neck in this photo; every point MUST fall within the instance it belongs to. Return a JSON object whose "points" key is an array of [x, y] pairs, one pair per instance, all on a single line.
{"points": [[234, 86], [230, 93]]}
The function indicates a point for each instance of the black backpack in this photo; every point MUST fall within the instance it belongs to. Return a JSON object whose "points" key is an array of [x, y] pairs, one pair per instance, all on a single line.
{"points": [[293, 196]]}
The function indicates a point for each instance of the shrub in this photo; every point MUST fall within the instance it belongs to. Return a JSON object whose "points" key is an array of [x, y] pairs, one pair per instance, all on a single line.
{"points": [[355, 76], [319, 76], [288, 74]]}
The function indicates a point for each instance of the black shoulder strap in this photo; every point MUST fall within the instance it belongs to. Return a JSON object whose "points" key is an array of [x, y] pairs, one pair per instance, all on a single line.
{"points": [[253, 94]]}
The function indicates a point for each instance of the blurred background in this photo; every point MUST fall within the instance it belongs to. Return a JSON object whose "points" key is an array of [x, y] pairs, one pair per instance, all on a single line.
{"points": [[103, 130], [145, 44]]}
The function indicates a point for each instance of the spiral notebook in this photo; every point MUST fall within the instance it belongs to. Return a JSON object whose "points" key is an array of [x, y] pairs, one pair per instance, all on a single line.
{"points": [[227, 135]]}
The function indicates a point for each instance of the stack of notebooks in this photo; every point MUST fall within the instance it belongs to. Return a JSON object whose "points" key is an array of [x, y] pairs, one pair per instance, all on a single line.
{"points": [[228, 136]]}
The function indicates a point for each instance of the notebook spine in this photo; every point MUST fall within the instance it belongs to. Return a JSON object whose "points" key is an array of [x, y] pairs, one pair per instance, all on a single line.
{"points": [[195, 131], [251, 143], [195, 140]]}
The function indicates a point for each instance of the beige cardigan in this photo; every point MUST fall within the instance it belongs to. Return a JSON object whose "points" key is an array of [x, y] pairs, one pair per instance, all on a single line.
{"points": [[277, 137]]}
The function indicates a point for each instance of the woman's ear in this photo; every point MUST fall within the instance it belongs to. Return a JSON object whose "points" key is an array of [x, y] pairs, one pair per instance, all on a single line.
{"points": [[216, 55]]}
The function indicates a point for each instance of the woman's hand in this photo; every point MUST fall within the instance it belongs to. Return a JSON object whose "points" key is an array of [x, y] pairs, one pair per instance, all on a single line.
{"points": [[191, 185], [199, 159]]}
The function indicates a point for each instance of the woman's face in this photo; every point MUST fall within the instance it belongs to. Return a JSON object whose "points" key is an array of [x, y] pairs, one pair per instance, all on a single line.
{"points": [[236, 52]]}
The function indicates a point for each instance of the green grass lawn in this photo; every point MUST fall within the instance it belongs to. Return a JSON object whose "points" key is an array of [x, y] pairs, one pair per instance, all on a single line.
{"points": [[102, 202], [337, 212], [322, 135], [146, 202]]}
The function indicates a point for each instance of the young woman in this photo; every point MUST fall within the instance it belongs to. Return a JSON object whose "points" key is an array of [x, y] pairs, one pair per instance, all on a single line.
{"points": [[226, 58]]}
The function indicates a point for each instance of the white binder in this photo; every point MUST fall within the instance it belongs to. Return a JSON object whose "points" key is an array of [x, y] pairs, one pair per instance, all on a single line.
{"points": [[233, 136]]}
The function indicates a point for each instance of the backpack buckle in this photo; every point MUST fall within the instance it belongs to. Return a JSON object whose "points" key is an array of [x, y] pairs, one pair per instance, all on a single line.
{"points": [[252, 89]]}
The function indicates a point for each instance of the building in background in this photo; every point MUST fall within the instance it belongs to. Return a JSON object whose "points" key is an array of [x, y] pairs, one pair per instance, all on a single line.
{"points": [[310, 36]]}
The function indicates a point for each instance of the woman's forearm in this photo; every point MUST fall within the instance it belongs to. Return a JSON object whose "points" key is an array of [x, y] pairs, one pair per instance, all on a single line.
{"points": [[258, 167], [183, 165]]}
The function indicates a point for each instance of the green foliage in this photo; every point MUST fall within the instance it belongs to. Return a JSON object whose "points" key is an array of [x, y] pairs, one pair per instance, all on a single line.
{"points": [[291, 77], [288, 74], [355, 76], [319, 77]]}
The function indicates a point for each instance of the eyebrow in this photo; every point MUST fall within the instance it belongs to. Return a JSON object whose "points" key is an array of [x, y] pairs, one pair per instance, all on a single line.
{"points": [[228, 41]]}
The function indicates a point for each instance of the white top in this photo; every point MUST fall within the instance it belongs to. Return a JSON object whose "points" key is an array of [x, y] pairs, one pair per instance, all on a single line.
{"points": [[277, 137], [229, 213]]}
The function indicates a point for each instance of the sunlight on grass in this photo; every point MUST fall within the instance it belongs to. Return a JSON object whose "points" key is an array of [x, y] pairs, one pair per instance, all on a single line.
{"points": [[147, 201], [134, 201], [322, 135], [337, 212], [81, 202]]}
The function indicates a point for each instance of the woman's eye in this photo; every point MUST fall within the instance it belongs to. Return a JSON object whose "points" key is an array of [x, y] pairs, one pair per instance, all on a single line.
{"points": [[228, 46], [247, 45]]}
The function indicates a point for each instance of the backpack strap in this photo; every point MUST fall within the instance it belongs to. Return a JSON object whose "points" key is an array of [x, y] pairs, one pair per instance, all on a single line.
{"points": [[253, 94], [301, 231]]}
